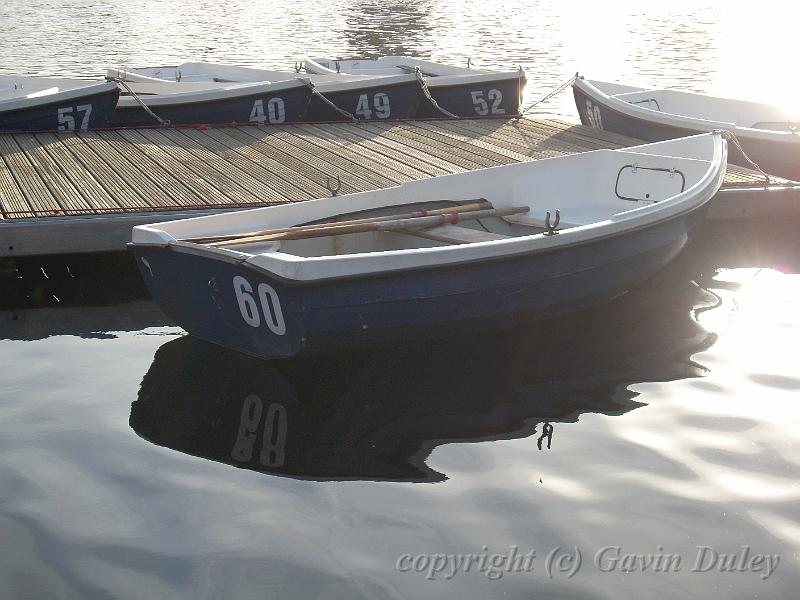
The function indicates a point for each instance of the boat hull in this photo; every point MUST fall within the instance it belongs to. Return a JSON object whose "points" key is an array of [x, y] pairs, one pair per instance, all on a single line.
{"points": [[774, 157], [86, 112], [282, 106], [496, 98], [373, 102], [240, 307]]}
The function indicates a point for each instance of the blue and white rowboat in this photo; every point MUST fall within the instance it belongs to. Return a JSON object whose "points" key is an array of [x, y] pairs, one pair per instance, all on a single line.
{"points": [[45, 104], [284, 280], [768, 134], [460, 91], [255, 103], [219, 94]]}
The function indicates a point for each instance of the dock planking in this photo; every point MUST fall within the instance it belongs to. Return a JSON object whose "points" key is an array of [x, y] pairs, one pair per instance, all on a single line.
{"points": [[47, 178]]}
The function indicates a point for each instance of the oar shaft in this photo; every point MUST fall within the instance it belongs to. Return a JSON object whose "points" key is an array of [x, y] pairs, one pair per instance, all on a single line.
{"points": [[392, 225], [418, 213]]}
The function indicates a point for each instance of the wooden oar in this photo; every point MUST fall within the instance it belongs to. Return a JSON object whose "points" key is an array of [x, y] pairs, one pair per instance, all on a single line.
{"points": [[393, 225], [478, 205]]}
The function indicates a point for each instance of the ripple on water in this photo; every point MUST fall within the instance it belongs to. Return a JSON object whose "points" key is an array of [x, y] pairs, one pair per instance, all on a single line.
{"points": [[783, 382]]}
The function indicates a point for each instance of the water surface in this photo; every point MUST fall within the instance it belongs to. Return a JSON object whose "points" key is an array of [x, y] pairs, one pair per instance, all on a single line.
{"points": [[136, 462]]}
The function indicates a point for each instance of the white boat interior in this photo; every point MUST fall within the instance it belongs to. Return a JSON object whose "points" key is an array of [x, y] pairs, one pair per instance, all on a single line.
{"points": [[597, 193], [200, 73], [320, 71], [18, 91], [722, 111], [166, 94], [385, 65], [206, 85], [436, 73]]}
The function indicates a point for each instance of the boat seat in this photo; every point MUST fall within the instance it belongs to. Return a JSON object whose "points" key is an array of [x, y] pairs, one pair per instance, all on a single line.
{"points": [[453, 234]]}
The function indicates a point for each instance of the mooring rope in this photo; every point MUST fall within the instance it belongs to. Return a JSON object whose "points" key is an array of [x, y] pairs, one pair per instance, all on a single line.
{"points": [[555, 92], [729, 135], [310, 85], [162, 122], [427, 93]]}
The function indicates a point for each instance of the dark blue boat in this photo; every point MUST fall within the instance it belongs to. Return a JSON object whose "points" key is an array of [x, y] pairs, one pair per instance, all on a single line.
{"points": [[289, 101], [448, 90], [260, 103], [286, 280], [495, 95], [36, 104], [375, 99], [767, 134]]}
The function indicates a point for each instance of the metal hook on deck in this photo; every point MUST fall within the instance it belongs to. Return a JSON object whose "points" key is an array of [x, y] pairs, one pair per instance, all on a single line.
{"points": [[329, 185], [338, 67], [551, 228], [297, 66]]}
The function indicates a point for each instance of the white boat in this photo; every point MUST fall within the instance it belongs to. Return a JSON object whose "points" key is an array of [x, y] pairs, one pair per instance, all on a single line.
{"points": [[456, 253], [48, 104], [769, 135]]}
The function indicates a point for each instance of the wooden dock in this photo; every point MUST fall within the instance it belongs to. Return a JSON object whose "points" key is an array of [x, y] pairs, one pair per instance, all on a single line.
{"points": [[82, 192]]}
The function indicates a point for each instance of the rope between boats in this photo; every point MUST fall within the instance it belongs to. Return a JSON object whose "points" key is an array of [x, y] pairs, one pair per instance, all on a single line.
{"points": [[310, 85], [555, 92], [162, 122], [729, 135], [426, 91]]}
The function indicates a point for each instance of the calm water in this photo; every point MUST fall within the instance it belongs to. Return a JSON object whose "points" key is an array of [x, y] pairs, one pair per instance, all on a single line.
{"points": [[136, 462]]}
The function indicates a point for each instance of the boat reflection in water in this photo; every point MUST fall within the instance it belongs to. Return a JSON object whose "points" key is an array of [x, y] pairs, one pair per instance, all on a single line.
{"points": [[378, 415]]}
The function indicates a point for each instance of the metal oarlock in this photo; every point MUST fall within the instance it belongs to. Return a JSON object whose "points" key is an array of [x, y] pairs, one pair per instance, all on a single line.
{"points": [[330, 187], [551, 228]]}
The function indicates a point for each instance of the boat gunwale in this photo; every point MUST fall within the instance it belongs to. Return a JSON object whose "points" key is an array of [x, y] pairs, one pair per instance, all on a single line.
{"points": [[22, 103], [618, 224]]}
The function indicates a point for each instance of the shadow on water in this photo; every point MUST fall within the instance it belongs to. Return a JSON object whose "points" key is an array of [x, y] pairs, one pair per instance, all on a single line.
{"points": [[70, 280], [378, 415]]}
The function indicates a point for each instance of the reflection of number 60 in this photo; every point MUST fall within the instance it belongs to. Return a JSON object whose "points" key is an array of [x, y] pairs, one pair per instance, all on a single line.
{"points": [[270, 305]]}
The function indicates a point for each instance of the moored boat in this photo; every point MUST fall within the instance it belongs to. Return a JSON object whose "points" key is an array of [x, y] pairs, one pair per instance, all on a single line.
{"points": [[768, 134], [460, 91], [47, 104], [261, 103], [451, 254], [286, 98]]}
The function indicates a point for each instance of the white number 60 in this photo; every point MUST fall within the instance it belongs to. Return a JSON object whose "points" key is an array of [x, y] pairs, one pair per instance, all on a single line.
{"points": [[270, 305]]}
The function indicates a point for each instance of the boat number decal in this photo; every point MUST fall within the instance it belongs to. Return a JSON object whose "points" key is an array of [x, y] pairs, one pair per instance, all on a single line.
{"points": [[269, 303], [593, 114], [273, 433], [490, 105], [275, 113], [67, 117], [380, 102]]}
